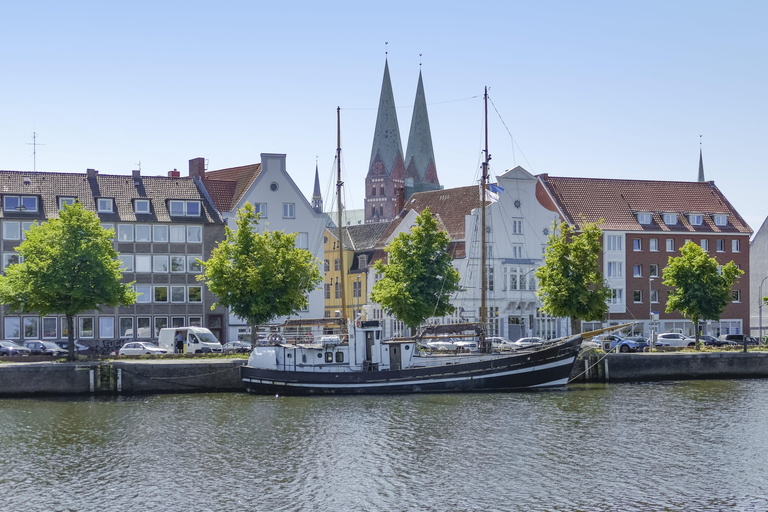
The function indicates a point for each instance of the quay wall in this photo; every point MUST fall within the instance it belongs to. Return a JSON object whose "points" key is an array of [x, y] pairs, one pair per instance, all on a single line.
{"points": [[120, 377], [669, 366]]}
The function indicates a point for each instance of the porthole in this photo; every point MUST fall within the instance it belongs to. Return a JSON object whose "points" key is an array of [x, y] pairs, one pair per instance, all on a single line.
{"points": [[289, 356], [407, 347], [319, 355], [273, 186]]}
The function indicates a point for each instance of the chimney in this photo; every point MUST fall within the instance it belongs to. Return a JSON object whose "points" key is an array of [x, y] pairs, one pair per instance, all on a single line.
{"points": [[92, 173], [197, 167], [174, 174], [137, 175], [399, 201]]}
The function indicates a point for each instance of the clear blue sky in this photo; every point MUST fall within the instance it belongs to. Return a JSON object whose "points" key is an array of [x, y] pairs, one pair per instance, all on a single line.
{"points": [[594, 89]]}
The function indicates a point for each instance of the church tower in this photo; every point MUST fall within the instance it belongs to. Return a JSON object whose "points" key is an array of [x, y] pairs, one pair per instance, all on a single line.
{"points": [[385, 182], [420, 169], [701, 167], [317, 199]]}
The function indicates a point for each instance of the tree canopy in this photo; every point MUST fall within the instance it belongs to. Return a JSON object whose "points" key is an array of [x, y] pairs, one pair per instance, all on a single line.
{"points": [[418, 276], [701, 288], [570, 281], [68, 266], [260, 276]]}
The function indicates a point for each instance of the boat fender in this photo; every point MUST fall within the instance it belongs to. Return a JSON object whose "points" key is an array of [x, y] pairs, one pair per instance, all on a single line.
{"points": [[274, 337]]}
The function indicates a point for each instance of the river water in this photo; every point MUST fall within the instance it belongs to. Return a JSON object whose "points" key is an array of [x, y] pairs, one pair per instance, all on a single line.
{"points": [[696, 445]]}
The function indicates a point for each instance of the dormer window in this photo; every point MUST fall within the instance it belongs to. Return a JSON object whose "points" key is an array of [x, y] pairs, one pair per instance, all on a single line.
{"points": [[362, 261], [27, 204], [720, 219], [141, 206], [644, 218], [670, 219], [66, 200], [105, 205], [695, 219], [184, 208]]}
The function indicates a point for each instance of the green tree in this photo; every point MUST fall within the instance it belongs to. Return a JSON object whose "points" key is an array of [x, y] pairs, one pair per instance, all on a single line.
{"points": [[570, 281], [418, 276], [68, 266], [700, 287], [260, 276]]}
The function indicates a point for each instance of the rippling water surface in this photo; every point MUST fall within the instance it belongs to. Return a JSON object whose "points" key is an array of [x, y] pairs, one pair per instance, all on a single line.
{"points": [[678, 446]]}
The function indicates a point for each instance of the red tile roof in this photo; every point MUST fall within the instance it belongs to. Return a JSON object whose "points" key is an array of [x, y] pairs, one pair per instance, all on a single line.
{"points": [[617, 202], [227, 186], [449, 205]]}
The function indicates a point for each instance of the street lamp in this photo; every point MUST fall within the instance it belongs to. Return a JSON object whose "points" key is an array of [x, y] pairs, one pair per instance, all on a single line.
{"points": [[650, 313], [760, 307]]}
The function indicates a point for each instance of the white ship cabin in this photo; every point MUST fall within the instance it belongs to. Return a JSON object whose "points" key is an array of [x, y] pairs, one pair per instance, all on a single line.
{"points": [[360, 348]]}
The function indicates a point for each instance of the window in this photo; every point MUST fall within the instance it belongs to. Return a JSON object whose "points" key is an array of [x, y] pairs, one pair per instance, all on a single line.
{"points": [[126, 262], [736, 296], [327, 290], [193, 208], [289, 211], [161, 322], [638, 271], [261, 208], [143, 329], [64, 327], [143, 263], [616, 296], [27, 204], [653, 270], [178, 233], [126, 326], [125, 232], [356, 287], [489, 278], [517, 227], [31, 326], [302, 240], [326, 266], [614, 269], [194, 234], [336, 264], [720, 245], [644, 218], [176, 208], [670, 245], [12, 327], [10, 258], [721, 220], [11, 230], [195, 321], [159, 263], [735, 245], [637, 295], [637, 244], [329, 357], [670, 219], [86, 327], [337, 290], [517, 252], [705, 245], [184, 208], [654, 296], [695, 219], [177, 263], [195, 294], [613, 243], [145, 293], [105, 205], [108, 226], [193, 265], [178, 293], [107, 327], [24, 228], [141, 206], [362, 261], [49, 327], [177, 321], [143, 233], [653, 245], [161, 294], [65, 200], [160, 233], [489, 251]]}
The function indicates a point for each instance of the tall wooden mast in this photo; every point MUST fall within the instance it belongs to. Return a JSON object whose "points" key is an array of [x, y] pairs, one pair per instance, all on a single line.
{"points": [[339, 184], [483, 270]]}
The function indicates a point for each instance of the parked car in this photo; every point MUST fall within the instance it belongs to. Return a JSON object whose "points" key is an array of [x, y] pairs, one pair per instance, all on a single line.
{"points": [[738, 338], [9, 348], [140, 348], [499, 343], [44, 348], [79, 346], [674, 339], [237, 347], [442, 344], [585, 345], [642, 342], [528, 342], [618, 344], [470, 345]]}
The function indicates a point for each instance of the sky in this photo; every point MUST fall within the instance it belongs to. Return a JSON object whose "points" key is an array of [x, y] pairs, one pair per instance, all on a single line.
{"points": [[593, 89]]}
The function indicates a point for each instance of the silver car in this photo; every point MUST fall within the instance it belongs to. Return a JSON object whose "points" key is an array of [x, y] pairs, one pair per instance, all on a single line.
{"points": [[140, 348]]}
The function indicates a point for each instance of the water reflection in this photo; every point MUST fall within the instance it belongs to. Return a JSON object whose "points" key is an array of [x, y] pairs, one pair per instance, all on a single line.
{"points": [[666, 446]]}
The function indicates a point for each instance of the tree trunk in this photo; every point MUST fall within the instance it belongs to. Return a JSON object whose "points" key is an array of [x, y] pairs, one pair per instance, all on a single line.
{"points": [[254, 334], [575, 326], [696, 333], [71, 338]]}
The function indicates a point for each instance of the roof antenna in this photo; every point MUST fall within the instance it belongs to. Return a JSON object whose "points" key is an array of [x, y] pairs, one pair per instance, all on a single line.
{"points": [[34, 145], [139, 164]]}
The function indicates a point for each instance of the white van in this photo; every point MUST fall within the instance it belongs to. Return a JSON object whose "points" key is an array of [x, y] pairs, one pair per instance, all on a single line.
{"points": [[193, 340]]}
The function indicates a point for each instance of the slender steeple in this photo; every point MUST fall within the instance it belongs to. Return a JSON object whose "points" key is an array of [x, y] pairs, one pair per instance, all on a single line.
{"points": [[317, 198], [420, 157], [701, 167]]}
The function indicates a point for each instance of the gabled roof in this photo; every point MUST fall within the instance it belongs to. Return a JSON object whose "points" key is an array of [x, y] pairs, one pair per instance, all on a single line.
{"points": [[124, 189], [617, 203], [364, 237], [228, 186], [450, 205]]}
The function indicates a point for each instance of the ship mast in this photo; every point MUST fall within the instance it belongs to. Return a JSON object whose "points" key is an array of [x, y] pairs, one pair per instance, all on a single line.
{"points": [[483, 270], [339, 184]]}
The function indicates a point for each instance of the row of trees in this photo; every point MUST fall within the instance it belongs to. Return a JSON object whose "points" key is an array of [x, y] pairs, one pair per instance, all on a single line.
{"points": [[68, 265]]}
